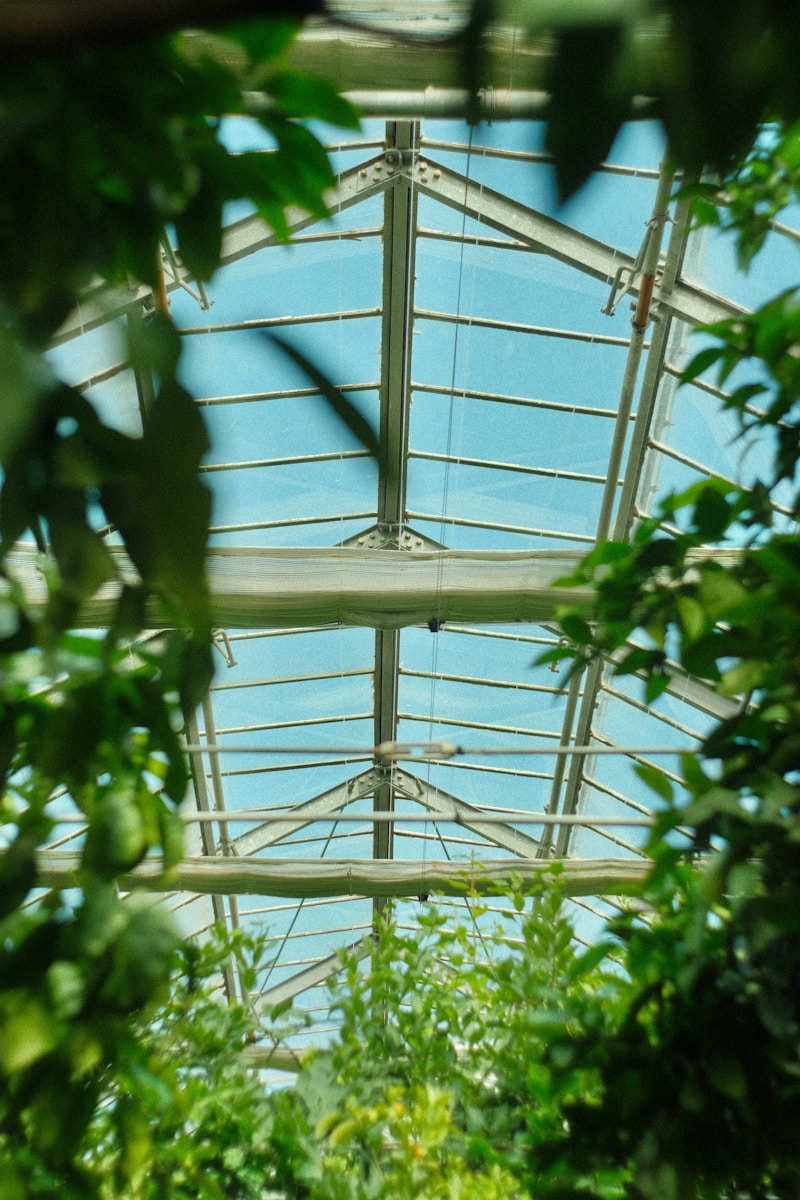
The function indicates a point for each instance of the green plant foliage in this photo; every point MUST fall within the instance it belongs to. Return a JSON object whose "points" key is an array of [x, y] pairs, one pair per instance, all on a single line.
{"points": [[101, 149], [701, 1078], [454, 1067], [713, 73]]}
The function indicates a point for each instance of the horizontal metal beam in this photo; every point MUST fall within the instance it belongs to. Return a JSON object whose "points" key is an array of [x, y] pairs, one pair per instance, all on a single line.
{"points": [[311, 878]]}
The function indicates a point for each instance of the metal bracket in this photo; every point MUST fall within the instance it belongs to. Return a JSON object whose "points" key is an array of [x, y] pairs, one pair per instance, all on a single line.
{"points": [[221, 640], [380, 171], [626, 277]]}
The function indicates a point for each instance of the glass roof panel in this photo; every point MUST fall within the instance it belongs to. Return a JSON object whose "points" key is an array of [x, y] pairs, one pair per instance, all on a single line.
{"points": [[496, 382]]}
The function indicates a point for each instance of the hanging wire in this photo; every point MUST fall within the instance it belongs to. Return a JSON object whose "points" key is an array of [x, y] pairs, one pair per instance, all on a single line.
{"points": [[446, 480]]}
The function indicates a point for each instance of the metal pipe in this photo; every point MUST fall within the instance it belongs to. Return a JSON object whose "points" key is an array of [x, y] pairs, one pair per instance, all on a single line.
{"points": [[560, 771], [641, 320]]}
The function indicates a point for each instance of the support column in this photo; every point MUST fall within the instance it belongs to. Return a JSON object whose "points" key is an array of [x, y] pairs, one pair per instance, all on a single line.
{"points": [[398, 316], [649, 258]]}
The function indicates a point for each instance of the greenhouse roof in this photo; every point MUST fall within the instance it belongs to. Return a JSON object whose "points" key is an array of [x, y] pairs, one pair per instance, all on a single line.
{"points": [[378, 725]]}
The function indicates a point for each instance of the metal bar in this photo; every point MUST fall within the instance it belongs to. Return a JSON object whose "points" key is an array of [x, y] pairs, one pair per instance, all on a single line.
{"points": [[573, 696], [483, 725], [355, 314], [407, 672], [247, 683], [286, 394], [462, 814], [471, 239], [531, 531], [641, 320], [654, 369], [226, 844], [312, 976], [572, 335], [274, 828], [297, 724], [701, 469], [200, 789], [434, 751], [519, 468], [297, 460], [582, 736], [499, 398], [586, 254], [649, 256], [449, 807], [319, 519], [532, 156], [100, 304]]}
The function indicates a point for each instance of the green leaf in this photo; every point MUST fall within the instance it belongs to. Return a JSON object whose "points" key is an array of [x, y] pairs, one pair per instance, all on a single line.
{"points": [[701, 362], [199, 230], [116, 839], [657, 683], [712, 514], [302, 95], [27, 1031], [264, 39], [587, 101], [344, 408], [693, 617], [575, 627], [656, 780]]}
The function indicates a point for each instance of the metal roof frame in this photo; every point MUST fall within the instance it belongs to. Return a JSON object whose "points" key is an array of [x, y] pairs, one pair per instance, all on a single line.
{"points": [[391, 575]]}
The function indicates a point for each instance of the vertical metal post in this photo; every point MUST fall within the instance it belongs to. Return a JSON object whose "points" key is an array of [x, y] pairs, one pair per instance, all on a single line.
{"points": [[207, 836], [641, 320], [399, 239], [639, 324]]}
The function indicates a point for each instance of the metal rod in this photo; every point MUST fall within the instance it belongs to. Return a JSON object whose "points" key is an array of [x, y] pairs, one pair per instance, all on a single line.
{"points": [[669, 452], [572, 335], [278, 322], [639, 324], [533, 156], [488, 464], [498, 398], [292, 461], [318, 519], [284, 394], [528, 530], [243, 816], [397, 752]]}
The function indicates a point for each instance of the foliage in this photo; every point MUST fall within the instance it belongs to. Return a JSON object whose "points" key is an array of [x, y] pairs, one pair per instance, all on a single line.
{"points": [[186, 1115], [712, 73], [700, 1052], [453, 1069], [97, 719], [702, 1081], [756, 190], [180, 1112]]}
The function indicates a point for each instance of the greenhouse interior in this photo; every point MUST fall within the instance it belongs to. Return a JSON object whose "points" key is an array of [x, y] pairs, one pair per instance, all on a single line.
{"points": [[379, 728]]}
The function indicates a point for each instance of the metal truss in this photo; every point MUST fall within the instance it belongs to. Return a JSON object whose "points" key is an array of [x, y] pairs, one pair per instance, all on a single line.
{"points": [[389, 576]]}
